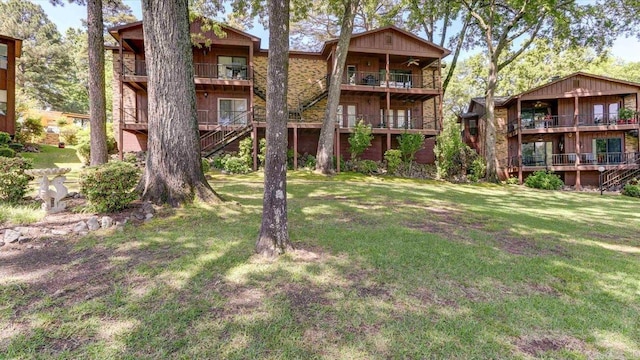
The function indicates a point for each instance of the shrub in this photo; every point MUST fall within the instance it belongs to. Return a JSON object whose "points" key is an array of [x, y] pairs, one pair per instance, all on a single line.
{"points": [[631, 190], [262, 154], [235, 165], [309, 161], [218, 162], [13, 181], [17, 147], [206, 165], [110, 187], [478, 169], [7, 152], [246, 151], [84, 147], [360, 139], [409, 145], [69, 135], [5, 139], [393, 157], [31, 130], [335, 163], [453, 157], [544, 180], [512, 180], [367, 167]]}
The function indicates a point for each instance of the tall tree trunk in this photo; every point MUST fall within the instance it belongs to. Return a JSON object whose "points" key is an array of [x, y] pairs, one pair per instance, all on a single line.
{"points": [[490, 130], [324, 157], [174, 169], [97, 99], [274, 232]]}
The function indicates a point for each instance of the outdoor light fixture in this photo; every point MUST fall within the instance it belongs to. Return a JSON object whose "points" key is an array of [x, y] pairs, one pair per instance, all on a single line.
{"points": [[601, 170], [206, 94]]}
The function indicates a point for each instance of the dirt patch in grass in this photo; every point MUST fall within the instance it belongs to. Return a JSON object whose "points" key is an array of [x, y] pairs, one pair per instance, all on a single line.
{"points": [[541, 345]]}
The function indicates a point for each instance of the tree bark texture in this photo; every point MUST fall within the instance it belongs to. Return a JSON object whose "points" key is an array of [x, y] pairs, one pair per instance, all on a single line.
{"points": [[173, 174], [274, 233], [490, 131], [324, 156], [97, 98]]}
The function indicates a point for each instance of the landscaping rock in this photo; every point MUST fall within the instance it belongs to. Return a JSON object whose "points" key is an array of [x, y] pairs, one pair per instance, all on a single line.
{"points": [[138, 216], [59, 232], [23, 239], [11, 236], [80, 227], [107, 222], [93, 224], [147, 208], [148, 216]]}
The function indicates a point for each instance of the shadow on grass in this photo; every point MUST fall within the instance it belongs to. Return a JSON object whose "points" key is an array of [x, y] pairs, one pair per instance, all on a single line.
{"points": [[407, 270]]}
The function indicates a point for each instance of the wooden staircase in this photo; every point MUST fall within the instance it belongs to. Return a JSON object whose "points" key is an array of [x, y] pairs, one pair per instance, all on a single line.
{"points": [[618, 177], [216, 140]]}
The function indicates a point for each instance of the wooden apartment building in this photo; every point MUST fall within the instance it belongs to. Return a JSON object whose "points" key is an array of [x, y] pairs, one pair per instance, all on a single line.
{"points": [[10, 50], [574, 126], [391, 81]]}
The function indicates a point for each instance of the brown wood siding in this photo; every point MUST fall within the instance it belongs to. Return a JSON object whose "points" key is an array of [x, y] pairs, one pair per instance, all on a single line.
{"points": [[229, 36], [8, 83], [585, 105], [132, 33], [134, 141], [378, 42], [210, 55], [586, 138], [566, 107], [581, 85]]}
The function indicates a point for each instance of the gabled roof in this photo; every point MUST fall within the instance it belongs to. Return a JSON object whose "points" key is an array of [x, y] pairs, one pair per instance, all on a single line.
{"points": [[18, 43], [444, 51], [578, 73], [116, 29]]}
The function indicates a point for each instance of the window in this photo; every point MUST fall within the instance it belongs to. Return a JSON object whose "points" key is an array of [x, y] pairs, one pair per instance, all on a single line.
{"points": [[598, 113], [538, 153], [351, 74], [232, 111], [4, 56], [473, 127], [608, 151], [3, 102], [339, 116], [613, 112], [232, 67]]}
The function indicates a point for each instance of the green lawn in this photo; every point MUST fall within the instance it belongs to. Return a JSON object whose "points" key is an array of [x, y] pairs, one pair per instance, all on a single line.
{"points": [[53, 157], [389, 269]]}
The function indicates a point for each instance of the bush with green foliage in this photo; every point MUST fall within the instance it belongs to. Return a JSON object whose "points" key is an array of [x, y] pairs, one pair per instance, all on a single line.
{"points": [[453, 157], [544, 180], [110, 187], [367, 167], [84, 145], [206, 165], [69, 134], [262, 153], [360, 139], [308, 161], [14, 183], [7, 152], [512, 180], [17, 147], [478, 169], [30, 130], [5, 139], [231, 164], [632, 188], [409, 145], [393, 157], [246, 151]]}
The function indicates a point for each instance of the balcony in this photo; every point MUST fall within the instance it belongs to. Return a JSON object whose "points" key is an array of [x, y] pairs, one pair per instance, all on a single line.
{"points": [[565, 123], [201, 70], [429, 123], [137, 119], [587, 161], [396, 81]]}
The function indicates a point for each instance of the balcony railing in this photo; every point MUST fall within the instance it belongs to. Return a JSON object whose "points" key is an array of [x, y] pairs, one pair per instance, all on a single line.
{"points": [[570, 159], [400, 81], [556, 121], [408, 123], [201, 70], [205, 117]]}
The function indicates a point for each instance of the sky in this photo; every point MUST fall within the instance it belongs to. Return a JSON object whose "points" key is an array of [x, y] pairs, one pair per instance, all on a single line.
{"points": [[70, 15]]}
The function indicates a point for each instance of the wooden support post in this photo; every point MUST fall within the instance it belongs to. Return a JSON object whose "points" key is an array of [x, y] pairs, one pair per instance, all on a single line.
{"points": [[388, 141], [519, 130], [338, 149], [576, 122], [254, 136], [121, 103], [295, 146], [387, 79]]}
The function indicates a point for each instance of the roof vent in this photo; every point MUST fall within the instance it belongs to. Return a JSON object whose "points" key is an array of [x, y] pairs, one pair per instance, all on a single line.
{"points": [[554, 78]]}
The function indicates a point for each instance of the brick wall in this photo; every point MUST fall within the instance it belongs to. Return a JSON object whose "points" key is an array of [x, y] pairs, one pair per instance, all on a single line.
{"points": [[630, 143]]}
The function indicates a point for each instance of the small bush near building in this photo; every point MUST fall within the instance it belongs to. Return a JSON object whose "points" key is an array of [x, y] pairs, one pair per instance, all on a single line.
{"points": [[206, 165], [393, 157], [453, 156], [14, 182], [6, 152], [231, 164], [512, 180], [478, 169], [544, 180], [30, 130], [367, 167], [110, 187], [360, 139], [632, 188], [409, 145], [5, 139]]}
